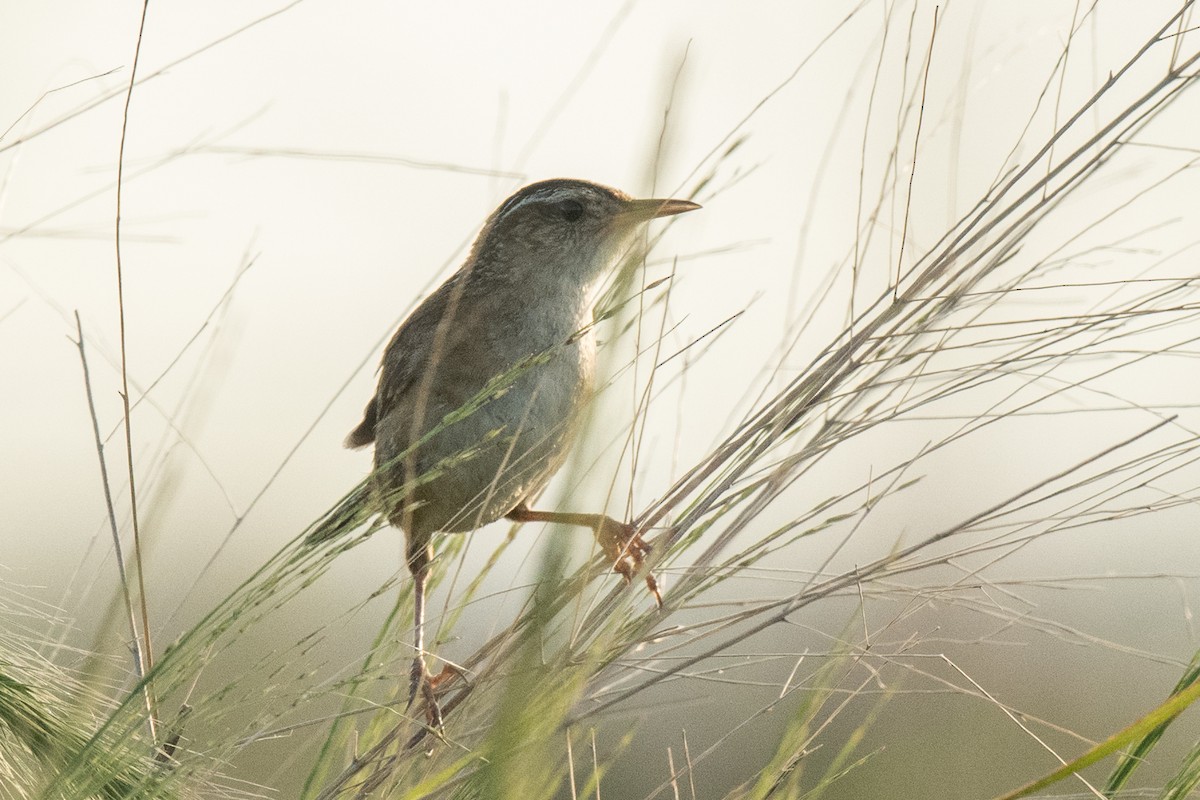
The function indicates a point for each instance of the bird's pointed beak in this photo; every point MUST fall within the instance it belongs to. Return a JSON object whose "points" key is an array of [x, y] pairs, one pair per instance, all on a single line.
{"points": [[642, 210]]}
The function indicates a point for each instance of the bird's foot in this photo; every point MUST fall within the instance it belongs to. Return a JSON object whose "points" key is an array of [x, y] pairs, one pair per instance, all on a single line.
{"points": [[429, 686], [622, 543]]}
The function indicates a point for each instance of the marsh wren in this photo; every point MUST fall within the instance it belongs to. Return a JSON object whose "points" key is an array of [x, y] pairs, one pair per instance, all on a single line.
{"points": [[484, 386]]}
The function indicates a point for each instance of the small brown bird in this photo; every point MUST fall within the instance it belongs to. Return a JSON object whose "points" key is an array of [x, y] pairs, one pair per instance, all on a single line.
{"points": [[483, 388]]}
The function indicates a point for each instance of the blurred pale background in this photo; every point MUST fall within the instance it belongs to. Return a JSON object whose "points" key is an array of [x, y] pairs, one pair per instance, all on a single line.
{"points": [[348, 152]]}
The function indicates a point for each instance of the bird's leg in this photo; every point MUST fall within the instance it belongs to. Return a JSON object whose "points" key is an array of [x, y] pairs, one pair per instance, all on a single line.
{"points": [[620, 541], [420, 680]]}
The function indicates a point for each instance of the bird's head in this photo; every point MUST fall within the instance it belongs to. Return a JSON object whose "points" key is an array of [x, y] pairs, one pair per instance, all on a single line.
{"points": [[575, 228]]}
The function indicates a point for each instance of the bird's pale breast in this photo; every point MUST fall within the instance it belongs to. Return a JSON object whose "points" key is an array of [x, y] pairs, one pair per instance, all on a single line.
{"points": [[477, 466]]}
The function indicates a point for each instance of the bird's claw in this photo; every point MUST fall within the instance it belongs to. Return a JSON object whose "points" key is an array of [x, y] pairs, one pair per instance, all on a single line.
{"points": [[429, 686], [626, 548]]}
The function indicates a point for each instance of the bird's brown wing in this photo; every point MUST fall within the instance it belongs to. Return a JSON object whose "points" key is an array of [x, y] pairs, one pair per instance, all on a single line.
{"points": [[406, 356]]}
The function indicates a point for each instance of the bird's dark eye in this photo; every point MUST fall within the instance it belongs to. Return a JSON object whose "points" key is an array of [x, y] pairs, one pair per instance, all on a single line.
{"points": [[571, 210]]}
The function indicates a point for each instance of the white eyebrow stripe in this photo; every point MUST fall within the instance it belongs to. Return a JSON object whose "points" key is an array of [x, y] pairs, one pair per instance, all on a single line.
{"points": [[546, 194]]}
